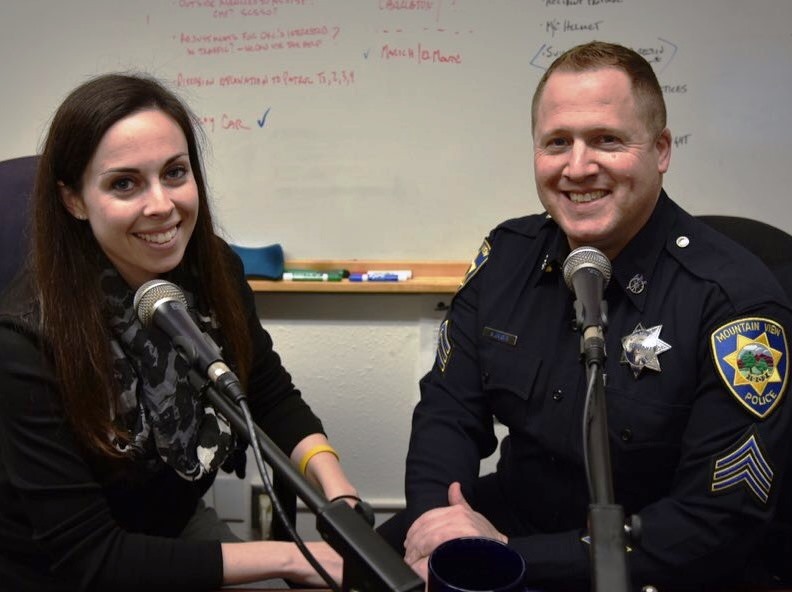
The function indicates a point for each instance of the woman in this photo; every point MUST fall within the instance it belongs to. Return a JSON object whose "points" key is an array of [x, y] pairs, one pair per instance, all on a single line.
{"points": [[105, 449]]}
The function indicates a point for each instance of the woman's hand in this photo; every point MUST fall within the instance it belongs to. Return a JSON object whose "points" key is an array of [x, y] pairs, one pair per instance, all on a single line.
{"points": [[254, 561], [331, 561]]}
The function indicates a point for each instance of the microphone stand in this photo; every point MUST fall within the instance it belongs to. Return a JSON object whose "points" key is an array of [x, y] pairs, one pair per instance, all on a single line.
{"points": [[370, 564], [606, 518]]}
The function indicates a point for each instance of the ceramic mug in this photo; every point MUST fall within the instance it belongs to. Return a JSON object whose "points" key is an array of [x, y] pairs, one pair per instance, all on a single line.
{"points": [[475, 564]]}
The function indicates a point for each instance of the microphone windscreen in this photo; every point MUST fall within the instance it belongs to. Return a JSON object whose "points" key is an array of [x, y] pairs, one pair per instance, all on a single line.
{"points": [[583, 257], [149, 296]]}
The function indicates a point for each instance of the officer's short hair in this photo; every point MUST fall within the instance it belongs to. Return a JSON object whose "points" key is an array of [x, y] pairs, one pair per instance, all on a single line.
{"points": [[599, 54]]}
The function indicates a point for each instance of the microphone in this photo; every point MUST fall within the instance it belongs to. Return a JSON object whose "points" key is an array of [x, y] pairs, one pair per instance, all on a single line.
{"points": [[162, 304], [586, 272]]}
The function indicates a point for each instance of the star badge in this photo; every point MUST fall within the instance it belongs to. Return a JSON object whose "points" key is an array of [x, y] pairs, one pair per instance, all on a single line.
{"points": [[641, 348]]}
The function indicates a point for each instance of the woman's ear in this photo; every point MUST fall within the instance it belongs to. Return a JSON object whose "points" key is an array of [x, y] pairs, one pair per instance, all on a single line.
{"points": [[72, 201]]}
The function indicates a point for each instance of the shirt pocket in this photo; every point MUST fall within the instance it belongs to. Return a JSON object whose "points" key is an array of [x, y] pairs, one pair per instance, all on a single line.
{"points": [[645, 443], [509, 378]]}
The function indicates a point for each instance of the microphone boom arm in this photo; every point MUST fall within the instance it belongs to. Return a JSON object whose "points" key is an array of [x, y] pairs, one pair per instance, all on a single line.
{"points": [[369, 562]]}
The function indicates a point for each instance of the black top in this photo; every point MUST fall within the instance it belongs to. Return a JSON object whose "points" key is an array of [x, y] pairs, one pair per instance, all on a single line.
{"points": [[509, 349], [66, 522]]}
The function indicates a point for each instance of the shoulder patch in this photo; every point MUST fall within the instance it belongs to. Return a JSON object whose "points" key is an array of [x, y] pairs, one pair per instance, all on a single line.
{"points": [[744, 465], [477, 263], [751, 357]]}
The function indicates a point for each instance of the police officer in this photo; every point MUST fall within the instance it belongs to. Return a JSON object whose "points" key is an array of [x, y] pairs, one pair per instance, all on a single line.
{"points": [[696, 370]]}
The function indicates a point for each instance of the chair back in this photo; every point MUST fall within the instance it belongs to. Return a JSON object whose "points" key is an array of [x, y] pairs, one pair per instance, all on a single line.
{"points": [[16, 186], [772, 245]]}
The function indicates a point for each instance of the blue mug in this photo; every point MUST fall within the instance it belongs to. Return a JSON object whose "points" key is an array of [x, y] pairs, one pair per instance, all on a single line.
{"points": [[475, 564]]}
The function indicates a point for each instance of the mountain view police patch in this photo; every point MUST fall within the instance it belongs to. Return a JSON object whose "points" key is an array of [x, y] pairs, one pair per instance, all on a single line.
{"points": [[751, 355]]}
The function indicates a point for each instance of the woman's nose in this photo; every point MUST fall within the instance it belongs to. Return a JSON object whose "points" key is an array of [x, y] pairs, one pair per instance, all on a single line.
{"points": [[158, 201]]}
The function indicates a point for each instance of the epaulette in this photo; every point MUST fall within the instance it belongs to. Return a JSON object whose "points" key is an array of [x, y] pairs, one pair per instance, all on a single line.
{"points": [[709, 255]]}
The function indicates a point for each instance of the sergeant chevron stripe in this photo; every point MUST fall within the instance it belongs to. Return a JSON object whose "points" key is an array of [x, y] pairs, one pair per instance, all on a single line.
{"points": [[745, 465]]}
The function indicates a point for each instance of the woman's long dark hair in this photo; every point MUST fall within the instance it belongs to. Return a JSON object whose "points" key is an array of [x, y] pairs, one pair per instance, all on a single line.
{"points": [[67, 258]]}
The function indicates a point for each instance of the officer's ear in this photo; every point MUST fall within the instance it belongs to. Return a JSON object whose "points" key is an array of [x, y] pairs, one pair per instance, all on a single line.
{"points": [[663, 148]]}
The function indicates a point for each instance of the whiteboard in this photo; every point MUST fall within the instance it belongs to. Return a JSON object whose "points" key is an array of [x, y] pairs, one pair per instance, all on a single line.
{"points": [[401, 128]]}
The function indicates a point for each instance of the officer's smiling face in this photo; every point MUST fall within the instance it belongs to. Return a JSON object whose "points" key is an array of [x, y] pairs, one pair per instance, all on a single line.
{"points": [[598, 167]]}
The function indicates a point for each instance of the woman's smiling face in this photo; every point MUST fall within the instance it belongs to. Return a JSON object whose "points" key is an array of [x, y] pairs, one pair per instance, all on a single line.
{"points": [[139, 195]]}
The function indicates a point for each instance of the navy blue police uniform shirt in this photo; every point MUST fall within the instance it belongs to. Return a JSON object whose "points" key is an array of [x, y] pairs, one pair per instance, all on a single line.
{"points": [[696, 374]]}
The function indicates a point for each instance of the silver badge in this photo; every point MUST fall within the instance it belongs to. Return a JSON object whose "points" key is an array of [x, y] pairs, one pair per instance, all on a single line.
{"points": [[636, 284], [641, 348]]}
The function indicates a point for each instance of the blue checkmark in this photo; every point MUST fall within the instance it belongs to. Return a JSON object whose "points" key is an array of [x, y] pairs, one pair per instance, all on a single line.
{"points": [[263, 119]]}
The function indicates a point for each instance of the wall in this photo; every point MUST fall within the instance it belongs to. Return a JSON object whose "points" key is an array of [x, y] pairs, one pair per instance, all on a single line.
{"points": [[400, 129], [371, 352], [357, 360]]}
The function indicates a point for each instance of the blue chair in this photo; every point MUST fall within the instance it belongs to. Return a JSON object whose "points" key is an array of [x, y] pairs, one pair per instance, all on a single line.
{"points": [[16, 185]]}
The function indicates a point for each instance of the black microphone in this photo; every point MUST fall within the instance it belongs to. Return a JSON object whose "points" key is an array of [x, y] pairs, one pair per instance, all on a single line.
{"points": [[162, 304], [586, 272]]}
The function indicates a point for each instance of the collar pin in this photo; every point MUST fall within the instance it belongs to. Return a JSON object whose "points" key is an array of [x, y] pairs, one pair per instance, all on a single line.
{"points": [[636, 284]]}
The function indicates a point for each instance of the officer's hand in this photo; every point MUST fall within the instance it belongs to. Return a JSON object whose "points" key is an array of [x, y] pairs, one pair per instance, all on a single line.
{"points": [[437, 526]]}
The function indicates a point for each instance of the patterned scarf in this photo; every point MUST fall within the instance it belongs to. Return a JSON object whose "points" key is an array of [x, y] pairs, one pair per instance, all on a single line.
{"points": [[159, 408]]}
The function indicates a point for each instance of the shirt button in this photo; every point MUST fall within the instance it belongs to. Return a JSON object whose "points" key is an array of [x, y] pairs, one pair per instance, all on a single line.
{"points": [[626, 435], [558, 394]]}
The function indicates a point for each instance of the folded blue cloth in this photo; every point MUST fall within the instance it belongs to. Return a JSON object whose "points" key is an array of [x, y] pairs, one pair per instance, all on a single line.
{"points": [[261, 262]]}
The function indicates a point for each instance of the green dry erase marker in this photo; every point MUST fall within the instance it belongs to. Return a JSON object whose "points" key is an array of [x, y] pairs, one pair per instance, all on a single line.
{"points": [[313, 275]]}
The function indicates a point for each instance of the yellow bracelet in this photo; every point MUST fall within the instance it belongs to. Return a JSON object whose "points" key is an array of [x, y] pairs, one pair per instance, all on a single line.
{"points": [[313, 452]]}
